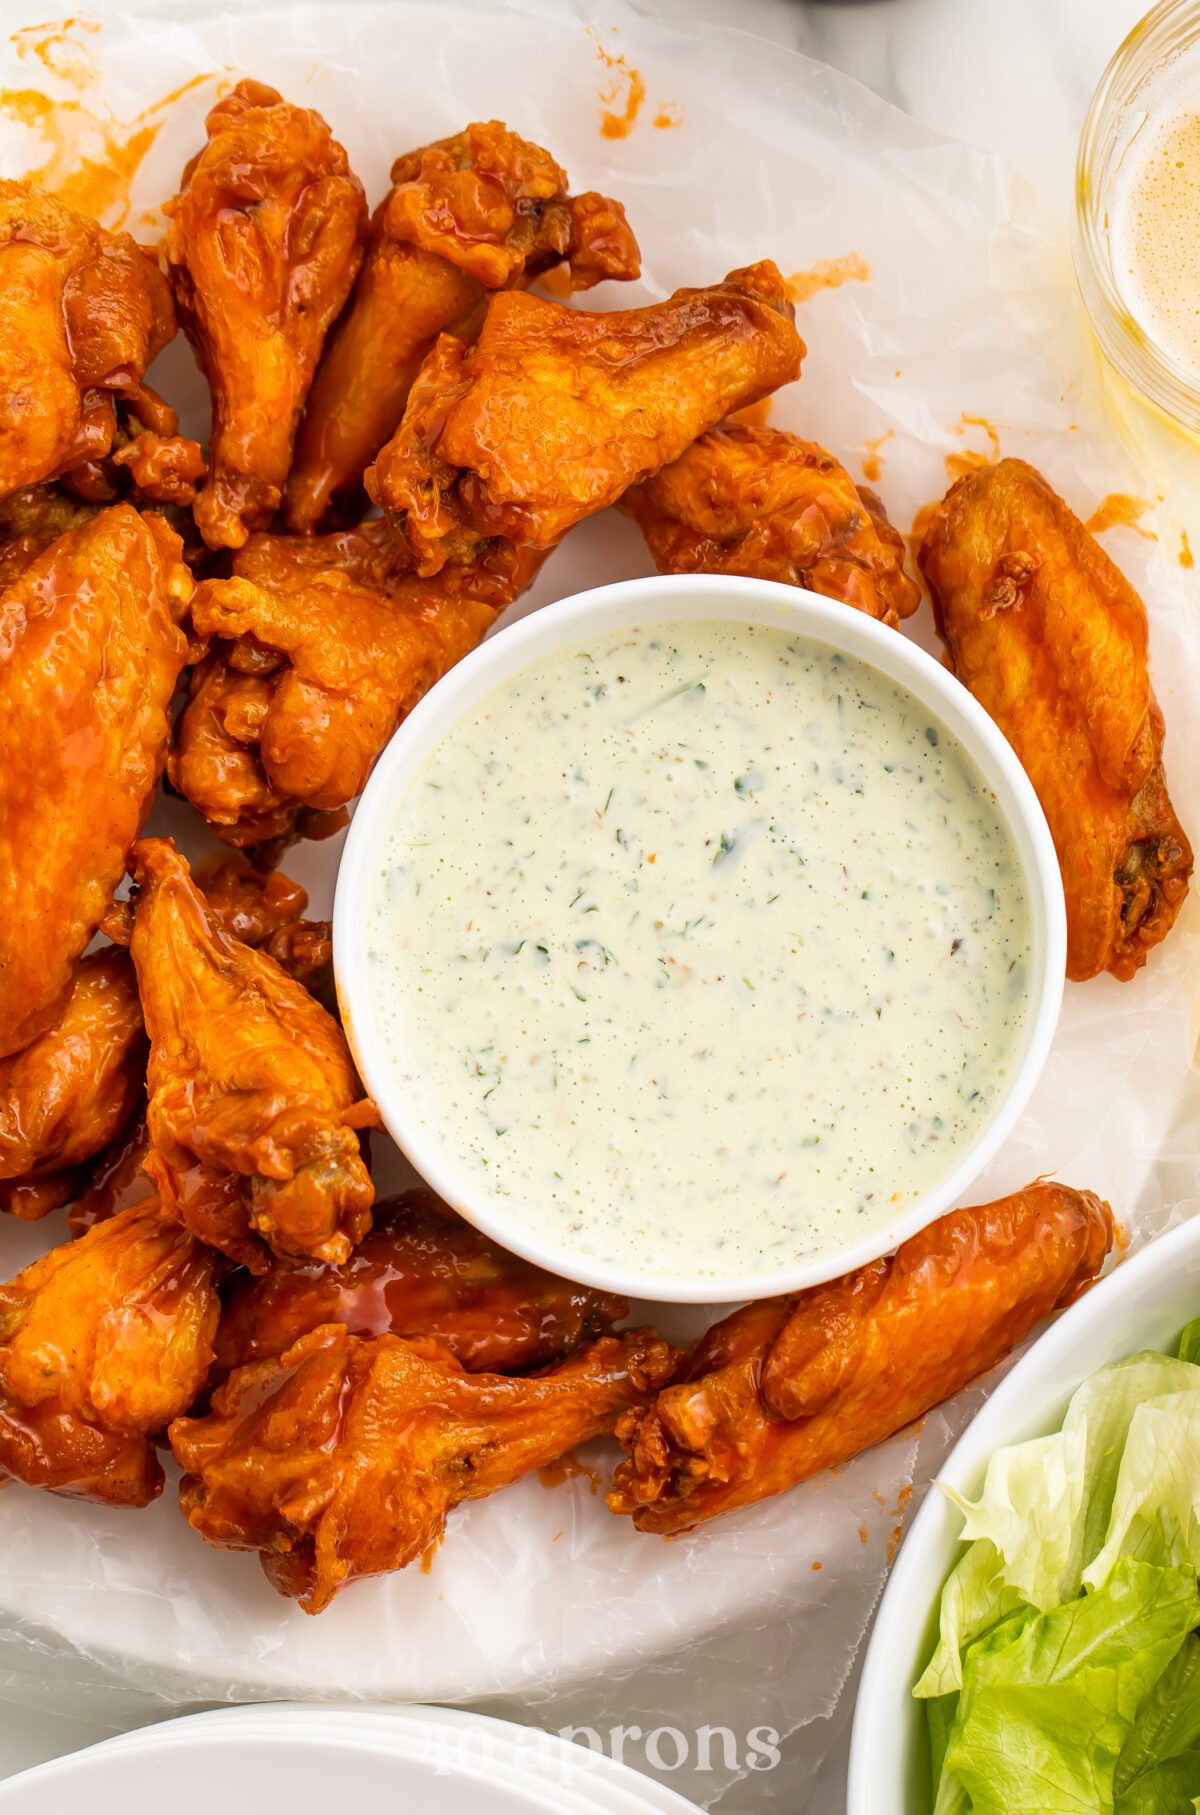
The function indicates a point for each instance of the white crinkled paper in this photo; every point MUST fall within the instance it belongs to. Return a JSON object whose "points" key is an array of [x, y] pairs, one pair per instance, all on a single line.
{"points": [[540, 1604]]}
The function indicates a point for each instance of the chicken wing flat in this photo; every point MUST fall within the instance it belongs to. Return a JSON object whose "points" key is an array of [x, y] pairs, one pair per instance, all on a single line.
{"points": [[1052, 640], [74, 1089], [102, 1343], [421, 1271], [90, 652], [265, 241], [762, 502], [788, 1387], [343, 1457], [554, 412], [82, 314], [249, 1078], [375, 554], [343, 665], [478, 212]]}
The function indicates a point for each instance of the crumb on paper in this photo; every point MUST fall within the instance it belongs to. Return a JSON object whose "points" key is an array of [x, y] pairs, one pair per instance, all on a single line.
{"points": [[1186, 557], [1120, 510], [817, 1566], [864, 1531], [872, 459], [668, 115], [827, 274], [93, 158]]}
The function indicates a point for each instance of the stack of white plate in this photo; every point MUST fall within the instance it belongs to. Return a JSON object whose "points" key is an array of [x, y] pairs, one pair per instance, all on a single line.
{"points": [[309, 1760]]}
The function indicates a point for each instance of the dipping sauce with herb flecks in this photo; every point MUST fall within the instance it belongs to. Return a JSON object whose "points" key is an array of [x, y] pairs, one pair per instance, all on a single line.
{"points": [[701, 947]]}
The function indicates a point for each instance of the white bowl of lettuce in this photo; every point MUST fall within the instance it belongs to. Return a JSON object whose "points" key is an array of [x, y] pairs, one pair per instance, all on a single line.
{"points": [[1037, 1650]]}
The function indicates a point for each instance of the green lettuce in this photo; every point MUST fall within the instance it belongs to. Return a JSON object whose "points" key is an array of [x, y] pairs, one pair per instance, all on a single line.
{"points": [[1049, 1700], [1156, 1504], [1166, 1730], [1066, 1671], [976, 1595], [1029, 1509]]}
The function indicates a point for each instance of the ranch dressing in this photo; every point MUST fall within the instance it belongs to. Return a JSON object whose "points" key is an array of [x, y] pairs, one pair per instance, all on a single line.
{"points": [[700, 949]]}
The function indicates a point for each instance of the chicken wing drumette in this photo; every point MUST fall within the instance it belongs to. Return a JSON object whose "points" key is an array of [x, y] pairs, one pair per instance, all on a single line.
{"points": [[1052, 640], [102, 1343], [90, 651], [788, 1387], [309, 678], [82, 314], [265, 241], [421, 1271], [250, 1082], [479, 212], [762, 502], [343, 1457], [74, 1089], [554, 412]]}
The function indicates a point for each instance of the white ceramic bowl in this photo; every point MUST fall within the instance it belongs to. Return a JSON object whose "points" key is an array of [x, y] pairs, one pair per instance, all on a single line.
{"points": [[437, 1761], [659, 600], [1142, 1305]]}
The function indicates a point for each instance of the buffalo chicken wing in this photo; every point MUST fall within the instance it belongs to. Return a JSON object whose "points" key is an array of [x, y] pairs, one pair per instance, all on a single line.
{"points": [[788, 1387], [74, 1089], [82, 314], [468, 215], [254, 1104], [265, 241], [421, 1271], [762, 502], [102, 1343], [90, 651], [306, 687], [1052, 640], [343, 1457], [555, 412]]}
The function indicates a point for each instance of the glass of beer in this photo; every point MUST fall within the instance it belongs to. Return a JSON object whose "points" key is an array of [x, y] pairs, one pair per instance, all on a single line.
{"points": [[1137, 227]]}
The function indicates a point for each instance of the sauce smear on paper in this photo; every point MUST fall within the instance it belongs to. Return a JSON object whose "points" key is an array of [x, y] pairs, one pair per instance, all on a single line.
{"points": [[1120, 510], [93, 157], [827, 274], [620, 99]]}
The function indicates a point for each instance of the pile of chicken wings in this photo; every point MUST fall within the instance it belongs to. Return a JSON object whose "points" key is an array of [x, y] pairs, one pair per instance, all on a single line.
{"points": [[403, 428]]}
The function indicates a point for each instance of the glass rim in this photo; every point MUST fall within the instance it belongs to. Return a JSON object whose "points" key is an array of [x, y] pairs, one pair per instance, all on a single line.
{"points": [[1166, 30]]}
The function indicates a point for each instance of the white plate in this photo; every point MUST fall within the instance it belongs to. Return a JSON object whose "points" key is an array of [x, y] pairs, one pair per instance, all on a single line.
{"points": [[1143, 1305], [433, 1760]]}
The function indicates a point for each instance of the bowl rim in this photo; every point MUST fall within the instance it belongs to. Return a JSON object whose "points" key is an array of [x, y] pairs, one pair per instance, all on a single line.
{"points": [[664, 598], [1021, 1406]]}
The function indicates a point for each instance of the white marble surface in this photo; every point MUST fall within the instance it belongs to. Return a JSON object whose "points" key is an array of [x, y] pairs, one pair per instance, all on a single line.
{"points": [[1013, 76]]}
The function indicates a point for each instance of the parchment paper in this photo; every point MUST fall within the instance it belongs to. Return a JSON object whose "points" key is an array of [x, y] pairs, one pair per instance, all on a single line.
{"points": [[954, 332]]}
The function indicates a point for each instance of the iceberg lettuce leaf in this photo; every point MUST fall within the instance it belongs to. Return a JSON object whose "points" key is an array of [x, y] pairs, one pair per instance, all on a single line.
{"points": [[1050, 1700]]}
